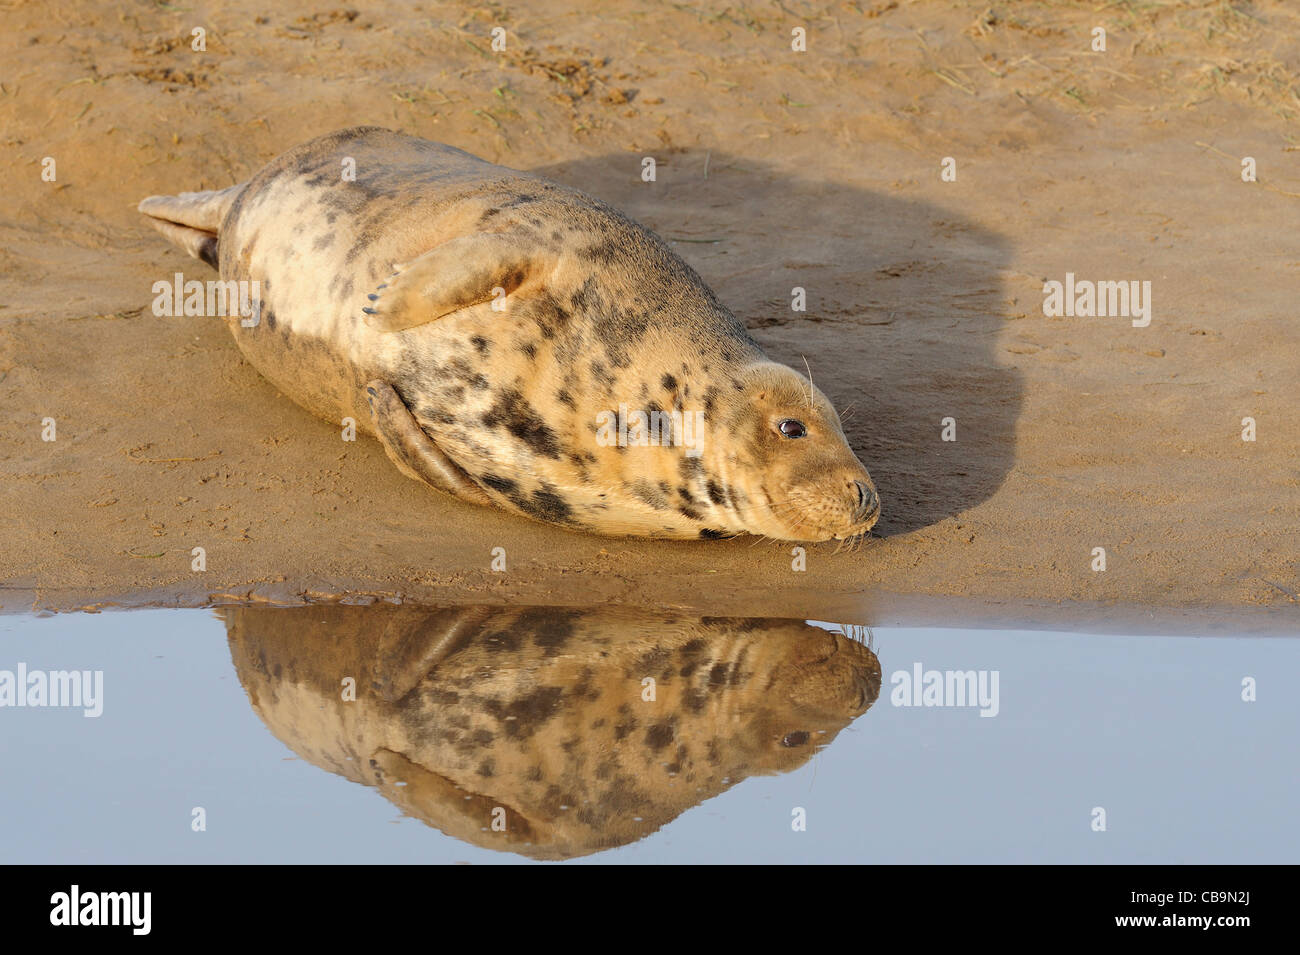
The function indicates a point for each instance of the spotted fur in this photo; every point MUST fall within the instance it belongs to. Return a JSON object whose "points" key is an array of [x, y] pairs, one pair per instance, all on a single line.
{"points": [[543, 713], [390, 278]]}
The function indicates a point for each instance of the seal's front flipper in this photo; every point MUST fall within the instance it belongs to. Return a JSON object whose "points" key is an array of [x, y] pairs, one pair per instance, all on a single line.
{"points": [[416, 640], [430, 796], [412, 450], [471, 270]]}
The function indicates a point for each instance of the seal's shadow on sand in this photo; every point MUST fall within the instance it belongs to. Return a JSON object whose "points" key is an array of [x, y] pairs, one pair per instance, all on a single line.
{"points": [[904, 307]]}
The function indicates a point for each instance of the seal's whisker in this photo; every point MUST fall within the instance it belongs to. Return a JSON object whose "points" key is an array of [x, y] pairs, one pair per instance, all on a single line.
{"points": [[864, 540], [790, 511], [784, 509]]}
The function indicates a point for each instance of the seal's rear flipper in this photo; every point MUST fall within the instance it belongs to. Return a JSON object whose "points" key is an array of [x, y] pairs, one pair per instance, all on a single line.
{"points": [[201, 245], [192, 220], [412, 450]]}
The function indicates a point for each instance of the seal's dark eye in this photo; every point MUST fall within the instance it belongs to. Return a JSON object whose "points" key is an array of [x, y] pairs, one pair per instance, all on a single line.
{"points": [[799, 738], [792, 429]]}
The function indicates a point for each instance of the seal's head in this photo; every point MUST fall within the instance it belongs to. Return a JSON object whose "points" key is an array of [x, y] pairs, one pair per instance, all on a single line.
{"points": [[789, 468]]}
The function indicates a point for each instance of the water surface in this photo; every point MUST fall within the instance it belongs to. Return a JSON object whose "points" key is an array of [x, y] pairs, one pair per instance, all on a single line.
{"points": [[401, 734]]}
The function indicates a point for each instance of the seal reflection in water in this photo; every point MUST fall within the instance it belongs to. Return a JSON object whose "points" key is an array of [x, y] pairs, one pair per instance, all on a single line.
{"points": [[542, 715], [517, 343]]}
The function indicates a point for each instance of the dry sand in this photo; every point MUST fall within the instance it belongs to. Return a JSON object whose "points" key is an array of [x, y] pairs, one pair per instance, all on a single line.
{"points": [[776, 169]]}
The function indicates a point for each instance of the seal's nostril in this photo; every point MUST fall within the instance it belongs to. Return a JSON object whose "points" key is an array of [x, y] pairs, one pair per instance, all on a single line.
{"points": [[866, 496], [868, 501]]}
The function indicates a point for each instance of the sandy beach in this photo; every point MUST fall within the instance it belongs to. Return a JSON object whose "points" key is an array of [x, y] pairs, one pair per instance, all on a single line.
{"points": [[822, 169]]}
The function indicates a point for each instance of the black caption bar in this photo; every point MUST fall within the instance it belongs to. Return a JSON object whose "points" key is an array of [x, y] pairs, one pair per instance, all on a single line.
{"points": [[136, 904]]}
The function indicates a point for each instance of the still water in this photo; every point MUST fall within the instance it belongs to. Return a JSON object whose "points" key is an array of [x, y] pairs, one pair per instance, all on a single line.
{"points": [[335, 734]]}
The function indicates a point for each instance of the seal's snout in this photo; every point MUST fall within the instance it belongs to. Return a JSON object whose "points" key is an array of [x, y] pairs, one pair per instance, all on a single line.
{"points": [[863, 508], [868, 500], [832, 680]]}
